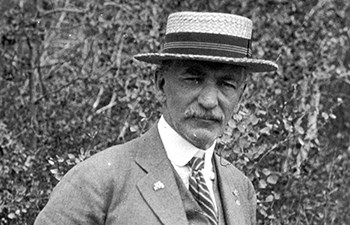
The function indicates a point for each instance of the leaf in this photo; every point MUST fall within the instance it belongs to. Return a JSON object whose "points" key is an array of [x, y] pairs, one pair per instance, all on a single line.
{"points": [[243, 143], [272, 179], [278, 91], [241, 127], [262, 184], [287, 125], [265, 130], [299, 129], [232, 123], [54, 171], [266, 171], [277, 195], [253, 119], [325, 115], [11, 215], [134, 128], [332, 116], [269, 198]]}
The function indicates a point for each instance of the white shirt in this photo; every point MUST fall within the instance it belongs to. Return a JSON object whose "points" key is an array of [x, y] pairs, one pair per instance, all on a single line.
{"points": [[180, 152]]}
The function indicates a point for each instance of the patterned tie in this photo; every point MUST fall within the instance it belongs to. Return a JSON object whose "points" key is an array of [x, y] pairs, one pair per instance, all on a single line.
{"points": [[200, 190]]}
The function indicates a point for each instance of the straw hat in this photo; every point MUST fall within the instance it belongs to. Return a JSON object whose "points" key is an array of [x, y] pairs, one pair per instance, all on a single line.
{"points": [[206, 36]]}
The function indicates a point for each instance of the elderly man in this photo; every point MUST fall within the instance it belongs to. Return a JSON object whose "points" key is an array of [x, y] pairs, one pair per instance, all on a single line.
{"points": [[170, 175]]}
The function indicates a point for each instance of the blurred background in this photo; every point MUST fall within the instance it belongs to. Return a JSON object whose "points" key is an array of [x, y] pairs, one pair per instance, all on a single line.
{"points": [[69, 87]]}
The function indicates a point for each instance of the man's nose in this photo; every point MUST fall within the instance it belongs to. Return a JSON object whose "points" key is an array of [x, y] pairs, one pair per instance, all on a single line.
{"points": [[208, 96]]}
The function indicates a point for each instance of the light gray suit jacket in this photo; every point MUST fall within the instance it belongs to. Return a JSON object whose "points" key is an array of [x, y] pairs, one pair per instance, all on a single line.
{"points": [[117, 186]]}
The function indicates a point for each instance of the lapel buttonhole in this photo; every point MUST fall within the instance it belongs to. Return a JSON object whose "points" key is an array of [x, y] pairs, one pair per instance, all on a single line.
{"points": [[235, 194]]}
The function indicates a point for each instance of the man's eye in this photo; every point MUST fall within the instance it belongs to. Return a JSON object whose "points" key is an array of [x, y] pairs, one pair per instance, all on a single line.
{"points": [[196, 80], [229, 84]]}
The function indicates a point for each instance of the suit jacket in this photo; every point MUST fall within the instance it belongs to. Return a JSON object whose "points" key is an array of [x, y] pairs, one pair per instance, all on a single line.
{"points": [[134, 183]]}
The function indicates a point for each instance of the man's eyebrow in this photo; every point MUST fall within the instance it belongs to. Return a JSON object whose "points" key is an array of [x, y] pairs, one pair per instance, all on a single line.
{"points": [[233, 77], [194, 70]]}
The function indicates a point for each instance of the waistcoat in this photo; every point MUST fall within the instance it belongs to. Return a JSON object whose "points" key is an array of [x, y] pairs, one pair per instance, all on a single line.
{"points": [[193, 211]]}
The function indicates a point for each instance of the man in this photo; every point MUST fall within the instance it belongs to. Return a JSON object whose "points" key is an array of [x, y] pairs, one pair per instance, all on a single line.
{"points": [[170, 175]]}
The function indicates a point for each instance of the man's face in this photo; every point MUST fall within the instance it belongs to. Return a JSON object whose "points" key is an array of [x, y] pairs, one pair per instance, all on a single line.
{"points": [[200, 98]]}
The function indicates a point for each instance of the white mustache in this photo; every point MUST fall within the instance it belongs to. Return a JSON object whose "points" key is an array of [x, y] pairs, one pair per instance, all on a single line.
{"points": [[200, 114]]}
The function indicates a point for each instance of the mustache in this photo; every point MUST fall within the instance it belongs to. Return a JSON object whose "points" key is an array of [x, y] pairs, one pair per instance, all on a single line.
{"points": [[201, 114]]}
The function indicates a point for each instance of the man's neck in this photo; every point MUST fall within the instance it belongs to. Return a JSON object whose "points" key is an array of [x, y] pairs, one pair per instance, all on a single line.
{"points": [[176, 146]]}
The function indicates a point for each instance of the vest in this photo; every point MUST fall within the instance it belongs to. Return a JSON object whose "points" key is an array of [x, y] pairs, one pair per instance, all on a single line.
{"points": [[193, 211]]}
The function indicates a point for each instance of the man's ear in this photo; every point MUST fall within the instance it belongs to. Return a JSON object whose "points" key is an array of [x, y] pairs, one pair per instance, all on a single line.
{"points": [[159, 83], [159, 80]]}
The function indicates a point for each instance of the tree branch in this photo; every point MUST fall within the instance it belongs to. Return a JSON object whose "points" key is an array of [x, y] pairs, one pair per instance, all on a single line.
{"points": [[112, 103], [60, 10], [58, 89]]}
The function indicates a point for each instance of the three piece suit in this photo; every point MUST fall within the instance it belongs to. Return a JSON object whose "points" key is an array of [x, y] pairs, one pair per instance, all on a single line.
{"points": [[135, 183]]}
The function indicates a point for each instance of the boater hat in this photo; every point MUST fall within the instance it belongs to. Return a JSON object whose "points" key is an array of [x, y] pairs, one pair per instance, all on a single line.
{"points": [[205, 36]]}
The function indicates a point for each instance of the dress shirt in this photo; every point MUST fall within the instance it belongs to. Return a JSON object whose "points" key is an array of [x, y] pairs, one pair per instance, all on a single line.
{"points": [[180, 152]]}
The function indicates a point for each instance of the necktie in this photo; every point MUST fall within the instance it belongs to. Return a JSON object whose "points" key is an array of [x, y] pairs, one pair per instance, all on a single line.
{"points": [[200, 190]]}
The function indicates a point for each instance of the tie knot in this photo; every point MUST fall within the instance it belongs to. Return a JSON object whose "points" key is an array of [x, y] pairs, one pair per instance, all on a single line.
{"points": [[196, 163]]}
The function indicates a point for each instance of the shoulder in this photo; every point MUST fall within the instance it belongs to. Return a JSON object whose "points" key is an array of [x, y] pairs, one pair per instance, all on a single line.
{"points": [[113, 162], [234, 174], [107, 163]]}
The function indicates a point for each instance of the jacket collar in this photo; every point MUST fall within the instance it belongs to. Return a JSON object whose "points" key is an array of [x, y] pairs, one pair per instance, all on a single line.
{"points": [[158, 187]]}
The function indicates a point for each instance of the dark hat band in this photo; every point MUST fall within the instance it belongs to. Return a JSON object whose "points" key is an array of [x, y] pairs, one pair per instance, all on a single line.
{"points": [[207, 44]]}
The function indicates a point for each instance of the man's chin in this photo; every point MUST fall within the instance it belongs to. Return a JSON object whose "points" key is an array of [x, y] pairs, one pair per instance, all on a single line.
{"points": [[202, 138]]}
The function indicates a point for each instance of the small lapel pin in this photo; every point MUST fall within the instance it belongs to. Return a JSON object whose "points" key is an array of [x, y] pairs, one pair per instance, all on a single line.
{"points": [[235, 193], [158, 185], [212, 175]]}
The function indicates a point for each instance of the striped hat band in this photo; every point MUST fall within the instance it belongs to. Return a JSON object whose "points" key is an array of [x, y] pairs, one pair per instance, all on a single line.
{"points": [[207, 44]]}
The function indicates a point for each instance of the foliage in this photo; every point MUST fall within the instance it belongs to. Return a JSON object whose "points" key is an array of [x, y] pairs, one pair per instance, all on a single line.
{"points": [[69, 88]]}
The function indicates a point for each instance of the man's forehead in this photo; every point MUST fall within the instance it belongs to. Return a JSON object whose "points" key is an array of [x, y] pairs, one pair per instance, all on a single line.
{"points": [[228, 70], [206, 64]]}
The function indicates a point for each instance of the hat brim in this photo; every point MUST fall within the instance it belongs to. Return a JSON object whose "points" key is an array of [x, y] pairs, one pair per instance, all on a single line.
{"points": [[252, 65]]}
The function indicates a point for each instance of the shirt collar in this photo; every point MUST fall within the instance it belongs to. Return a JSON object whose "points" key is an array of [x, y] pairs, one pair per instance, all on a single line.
{"points": [[178, 149]]}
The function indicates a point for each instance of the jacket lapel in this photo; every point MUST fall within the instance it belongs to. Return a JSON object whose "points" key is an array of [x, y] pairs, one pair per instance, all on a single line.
{"points": [[158, 187], [231, 204]]}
